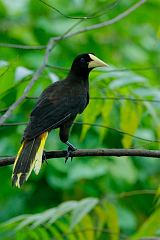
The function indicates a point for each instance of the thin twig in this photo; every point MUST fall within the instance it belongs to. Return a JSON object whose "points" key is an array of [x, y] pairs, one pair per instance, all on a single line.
{"points": [[121, 98], [24, 47], [92, 152], [97, 14], [107, 23], [126, 98], [137, 192], [90, 124], [58, 67], [13, 124], [117, 130]]}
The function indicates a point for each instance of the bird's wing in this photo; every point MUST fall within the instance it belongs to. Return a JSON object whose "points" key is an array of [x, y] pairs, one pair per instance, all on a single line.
{"points": [[51, 113]]}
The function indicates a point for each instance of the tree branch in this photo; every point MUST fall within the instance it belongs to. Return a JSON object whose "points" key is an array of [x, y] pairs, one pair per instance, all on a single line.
{"points": [[92, 152], [36, 75], [51, 44]]}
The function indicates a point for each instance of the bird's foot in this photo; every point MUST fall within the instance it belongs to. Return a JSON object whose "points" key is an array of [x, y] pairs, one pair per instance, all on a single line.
{"points": [[44, 158], [70, 149]]}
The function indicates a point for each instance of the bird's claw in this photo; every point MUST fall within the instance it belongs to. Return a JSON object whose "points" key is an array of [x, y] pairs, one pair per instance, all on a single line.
{"points": [[44, 159], [70, 149]]}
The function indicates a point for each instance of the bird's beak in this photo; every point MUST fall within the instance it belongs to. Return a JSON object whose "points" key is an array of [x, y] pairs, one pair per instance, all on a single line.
{"points": [[96, 62]]}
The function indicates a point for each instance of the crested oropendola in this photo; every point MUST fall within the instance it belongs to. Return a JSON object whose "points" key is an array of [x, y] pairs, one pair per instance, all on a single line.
{"points": [[56, 107]]}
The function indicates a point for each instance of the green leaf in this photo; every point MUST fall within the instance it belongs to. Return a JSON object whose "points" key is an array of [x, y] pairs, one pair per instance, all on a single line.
{"points": [[51, 215], [65, 232], [124, 81], [89, 116], [8, 97], [106, 110], [54, 231], [79, 233], [84, 206], [127, 219], [101, 219], [29, 220], [88, 227], [42, 232], [117, 167], [63, 209], [155, 116], [130, 117], [150, 227], [15, 220], [112, 220]]}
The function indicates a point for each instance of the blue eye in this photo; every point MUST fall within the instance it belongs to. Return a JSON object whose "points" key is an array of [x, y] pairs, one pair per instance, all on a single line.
{"points": [[82, 60]]}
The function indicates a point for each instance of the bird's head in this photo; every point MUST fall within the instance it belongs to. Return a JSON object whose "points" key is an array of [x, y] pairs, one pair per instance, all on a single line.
{"points": [[84, 63]]}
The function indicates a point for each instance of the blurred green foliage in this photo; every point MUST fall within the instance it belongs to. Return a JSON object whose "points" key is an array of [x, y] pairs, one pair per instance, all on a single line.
{"points": [[76, 187]]}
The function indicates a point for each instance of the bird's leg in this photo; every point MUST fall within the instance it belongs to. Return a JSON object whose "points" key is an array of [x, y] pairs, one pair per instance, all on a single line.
{"points": [[70, 149], [44, 159]]}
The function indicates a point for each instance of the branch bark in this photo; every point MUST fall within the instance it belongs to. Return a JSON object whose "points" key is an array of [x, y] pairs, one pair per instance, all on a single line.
{"points": [[36, 75], [92, 152]]}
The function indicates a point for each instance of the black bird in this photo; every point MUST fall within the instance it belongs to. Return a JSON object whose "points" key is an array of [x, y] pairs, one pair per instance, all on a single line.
{"points": [[56, 107]]}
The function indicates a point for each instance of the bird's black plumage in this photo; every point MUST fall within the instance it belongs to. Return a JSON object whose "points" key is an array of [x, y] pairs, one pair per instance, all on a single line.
{"points": [[56, 107]]}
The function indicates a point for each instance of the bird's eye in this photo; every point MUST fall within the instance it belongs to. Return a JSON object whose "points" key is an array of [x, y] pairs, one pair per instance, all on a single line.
{"points": [[82, 60]]}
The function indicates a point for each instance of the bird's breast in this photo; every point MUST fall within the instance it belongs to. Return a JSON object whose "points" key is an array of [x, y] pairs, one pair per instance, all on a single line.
{"points": [[76, 95]]}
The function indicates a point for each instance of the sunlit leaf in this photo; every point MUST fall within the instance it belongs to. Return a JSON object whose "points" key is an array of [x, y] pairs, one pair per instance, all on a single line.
{"points": [[130, 117], [106, 110], [89, 116], [101, 219], [150, 227], [54, 231], [112, 220], [88, 227]]}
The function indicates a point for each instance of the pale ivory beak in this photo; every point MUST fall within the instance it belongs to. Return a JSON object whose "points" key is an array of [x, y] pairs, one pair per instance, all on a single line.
{"points": [[96, 62]]}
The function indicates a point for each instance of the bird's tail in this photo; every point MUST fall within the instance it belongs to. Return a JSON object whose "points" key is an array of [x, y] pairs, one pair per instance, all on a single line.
{"points": [[29, 157]]}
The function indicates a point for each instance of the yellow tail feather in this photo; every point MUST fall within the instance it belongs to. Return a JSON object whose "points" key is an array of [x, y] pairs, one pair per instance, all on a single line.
{"points": [[38, 157], [32, 157], [18, 154]]}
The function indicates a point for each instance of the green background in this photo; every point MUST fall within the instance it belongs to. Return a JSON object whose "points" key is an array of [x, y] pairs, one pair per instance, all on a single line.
{"points": [[131, 47]]}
